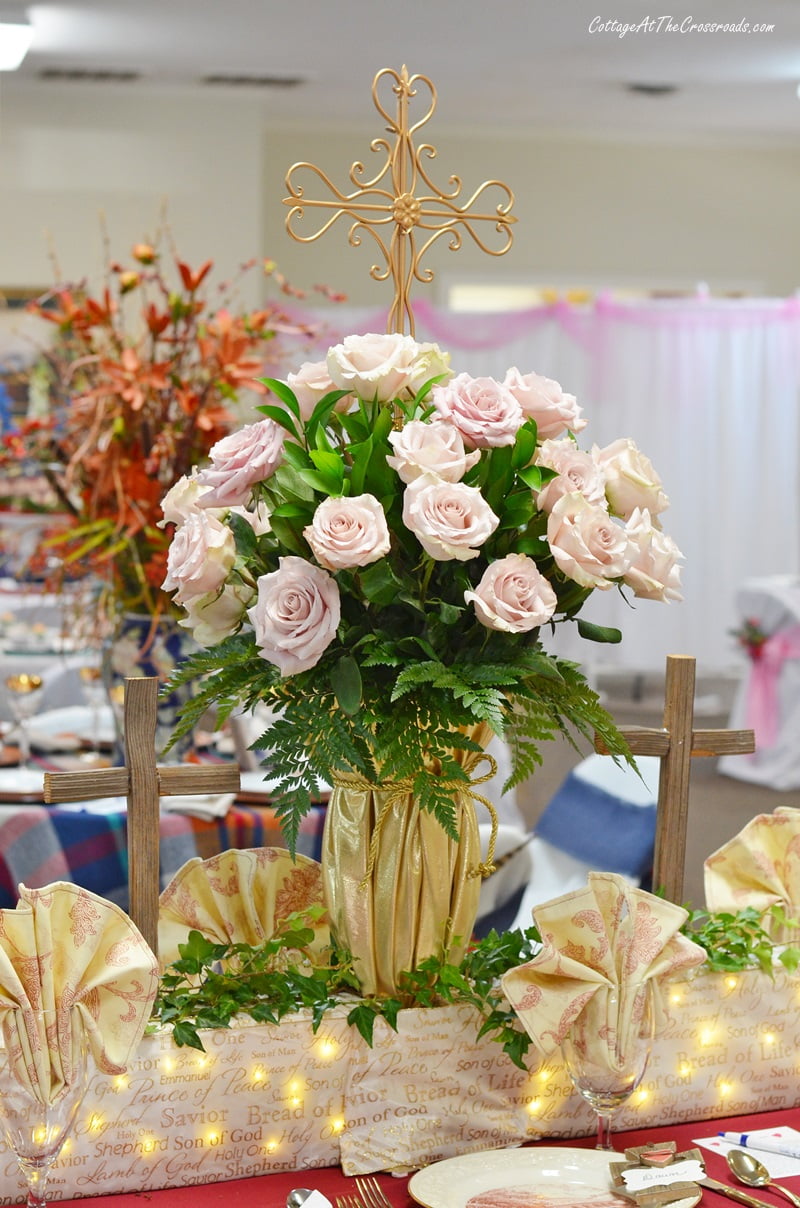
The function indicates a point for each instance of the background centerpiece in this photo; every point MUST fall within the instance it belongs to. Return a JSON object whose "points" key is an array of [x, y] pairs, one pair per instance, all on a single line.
{"points": [[376, 559]]}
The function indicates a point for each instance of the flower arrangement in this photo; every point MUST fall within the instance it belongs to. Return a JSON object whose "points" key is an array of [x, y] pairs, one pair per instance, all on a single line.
{"points": [[751, 637], [142, 380], [379, 556]]}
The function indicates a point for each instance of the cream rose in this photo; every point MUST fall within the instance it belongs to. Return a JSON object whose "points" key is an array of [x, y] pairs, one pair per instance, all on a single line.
{"points": [[513, 596], [239, 460], [588, 546], [348, 531], [631, 481], [435, 447], [543, 400], [296, 615], [654, 573], [310, 384], [484, 412], [430, 362], [451, 521], [218, 614], [576, 470], [200, 557], [374, 366], [181, 500]]}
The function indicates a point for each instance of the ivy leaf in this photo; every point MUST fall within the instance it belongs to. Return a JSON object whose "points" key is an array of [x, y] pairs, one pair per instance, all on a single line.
{"points": [[362, 1017]]}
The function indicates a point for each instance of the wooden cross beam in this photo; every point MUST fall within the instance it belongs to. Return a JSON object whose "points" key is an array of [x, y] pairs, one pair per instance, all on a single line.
{"points": [[142, 782], [675, 745]]}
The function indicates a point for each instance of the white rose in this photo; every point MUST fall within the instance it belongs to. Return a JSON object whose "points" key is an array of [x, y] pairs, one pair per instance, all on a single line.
{"points": [[576, 470], [435, 447], [348, 531], [374, 366], [631, 481], [216, 615], [200, 557], [654, 573], [296, 615], [543, 400], [310, 384], [513, 596], [450, 520], [586, 543], [181, 499], [430, 362]]}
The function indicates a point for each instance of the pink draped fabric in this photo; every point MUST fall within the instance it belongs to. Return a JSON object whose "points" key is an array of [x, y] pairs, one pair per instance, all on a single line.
{"points": [[762, 689]]}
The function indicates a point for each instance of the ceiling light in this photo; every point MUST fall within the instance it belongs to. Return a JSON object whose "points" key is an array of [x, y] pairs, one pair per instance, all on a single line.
{"points": [[16, 35]]}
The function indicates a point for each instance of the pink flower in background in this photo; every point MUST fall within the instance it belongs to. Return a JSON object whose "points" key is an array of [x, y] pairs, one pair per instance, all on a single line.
{"points": [[240, 460], [296, 615], [450, 520], [543, 400], [588, 546], [348, 531], [310, 384], [513, 596], [434, 446], [654, 573], [631, 481], [200, 557], [576, 470], [485, 413], [373, 367]]}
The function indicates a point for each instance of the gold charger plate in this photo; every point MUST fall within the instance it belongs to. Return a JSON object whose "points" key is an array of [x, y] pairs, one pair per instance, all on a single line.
{"points": [[518, 1178]]}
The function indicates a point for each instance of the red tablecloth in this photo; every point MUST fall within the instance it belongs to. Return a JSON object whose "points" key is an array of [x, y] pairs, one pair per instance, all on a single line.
{"points": [[270, 1191]]}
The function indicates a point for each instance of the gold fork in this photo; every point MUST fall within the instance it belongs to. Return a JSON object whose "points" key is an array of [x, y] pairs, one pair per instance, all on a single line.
{"points": [[372, 1193], [348, 1201]]}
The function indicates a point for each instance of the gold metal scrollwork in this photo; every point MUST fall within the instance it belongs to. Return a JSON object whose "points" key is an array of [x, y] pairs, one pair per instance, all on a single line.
{"points": [[402, 196]]}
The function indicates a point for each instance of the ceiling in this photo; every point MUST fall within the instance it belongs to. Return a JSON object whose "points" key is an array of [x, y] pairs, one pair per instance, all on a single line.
{"points": [[512, 67]]}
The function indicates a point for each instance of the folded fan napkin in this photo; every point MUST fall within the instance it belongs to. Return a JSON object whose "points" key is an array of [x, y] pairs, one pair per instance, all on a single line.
{"points": [[759, 867], [240, 896], [606, 936], [67, 951]]}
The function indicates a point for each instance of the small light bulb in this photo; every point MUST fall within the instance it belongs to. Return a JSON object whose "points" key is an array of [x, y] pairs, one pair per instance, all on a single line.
{"points": [[731, 982]]}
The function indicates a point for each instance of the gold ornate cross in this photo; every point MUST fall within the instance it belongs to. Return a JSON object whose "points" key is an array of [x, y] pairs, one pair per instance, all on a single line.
{"points": [[675, 745], [142, 782], [401, 196]]}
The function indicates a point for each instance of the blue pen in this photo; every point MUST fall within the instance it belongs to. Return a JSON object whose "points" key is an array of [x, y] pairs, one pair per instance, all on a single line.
{"points": [[765, 1144]]}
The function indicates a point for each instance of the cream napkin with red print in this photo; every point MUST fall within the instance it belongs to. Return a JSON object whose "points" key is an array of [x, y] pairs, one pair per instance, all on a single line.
{"points": [[759, 867], [241, 896], [606, 936], [78, 957]]}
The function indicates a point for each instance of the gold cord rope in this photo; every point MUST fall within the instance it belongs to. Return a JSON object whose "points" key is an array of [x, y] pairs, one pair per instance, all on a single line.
{"points": [[397, 789]]}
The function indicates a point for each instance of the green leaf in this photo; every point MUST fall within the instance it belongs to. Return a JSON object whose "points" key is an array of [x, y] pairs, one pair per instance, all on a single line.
{"points": [[524, 445], [598, 633], [244, 536], [281, 417], [379, 582], [284, 393], [346, 683], [531, 476], [363, 1018], [330, 467]]}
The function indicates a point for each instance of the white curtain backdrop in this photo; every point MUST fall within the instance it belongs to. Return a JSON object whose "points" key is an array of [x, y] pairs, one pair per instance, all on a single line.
{"points": [[710, 390]]}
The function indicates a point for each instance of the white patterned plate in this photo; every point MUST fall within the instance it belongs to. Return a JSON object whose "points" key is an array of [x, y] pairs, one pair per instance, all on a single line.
{"points": [[518, 1178]]}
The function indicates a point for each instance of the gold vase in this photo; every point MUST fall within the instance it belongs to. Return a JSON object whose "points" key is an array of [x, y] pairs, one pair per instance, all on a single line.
{"points": [[398, 889]]}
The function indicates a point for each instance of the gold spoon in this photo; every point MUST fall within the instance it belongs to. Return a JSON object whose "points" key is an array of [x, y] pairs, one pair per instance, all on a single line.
{"points": [[748, 1170]]}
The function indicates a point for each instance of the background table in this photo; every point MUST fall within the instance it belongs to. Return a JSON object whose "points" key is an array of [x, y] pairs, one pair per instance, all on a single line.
{"points": [[270, 1191]]}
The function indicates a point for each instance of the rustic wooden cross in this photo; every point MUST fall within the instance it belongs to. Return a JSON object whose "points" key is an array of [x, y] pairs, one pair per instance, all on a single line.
{"points": [[142, 781], [675, 745]]}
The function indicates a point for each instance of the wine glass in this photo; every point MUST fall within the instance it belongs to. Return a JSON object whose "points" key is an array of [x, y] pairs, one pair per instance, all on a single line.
{"points": [[607, 1048], [95, 695], [26, 693], [37, 1130]]}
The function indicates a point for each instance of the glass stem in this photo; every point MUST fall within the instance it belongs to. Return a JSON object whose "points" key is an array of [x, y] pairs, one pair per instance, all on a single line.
{"points": [[604, 1131]]}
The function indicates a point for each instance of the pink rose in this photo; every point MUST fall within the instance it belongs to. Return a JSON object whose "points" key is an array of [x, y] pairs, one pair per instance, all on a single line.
{"points": [[576, 470], [240, 460], [374, 366], [217, 614], [310, 384], [586, 543], [434, 447], [200, 556], [181, 500], [450, 520], [543, 400], [654, 573], [513, 596], [631, 481], [348, 531], [486, 414], [296, 615]]}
